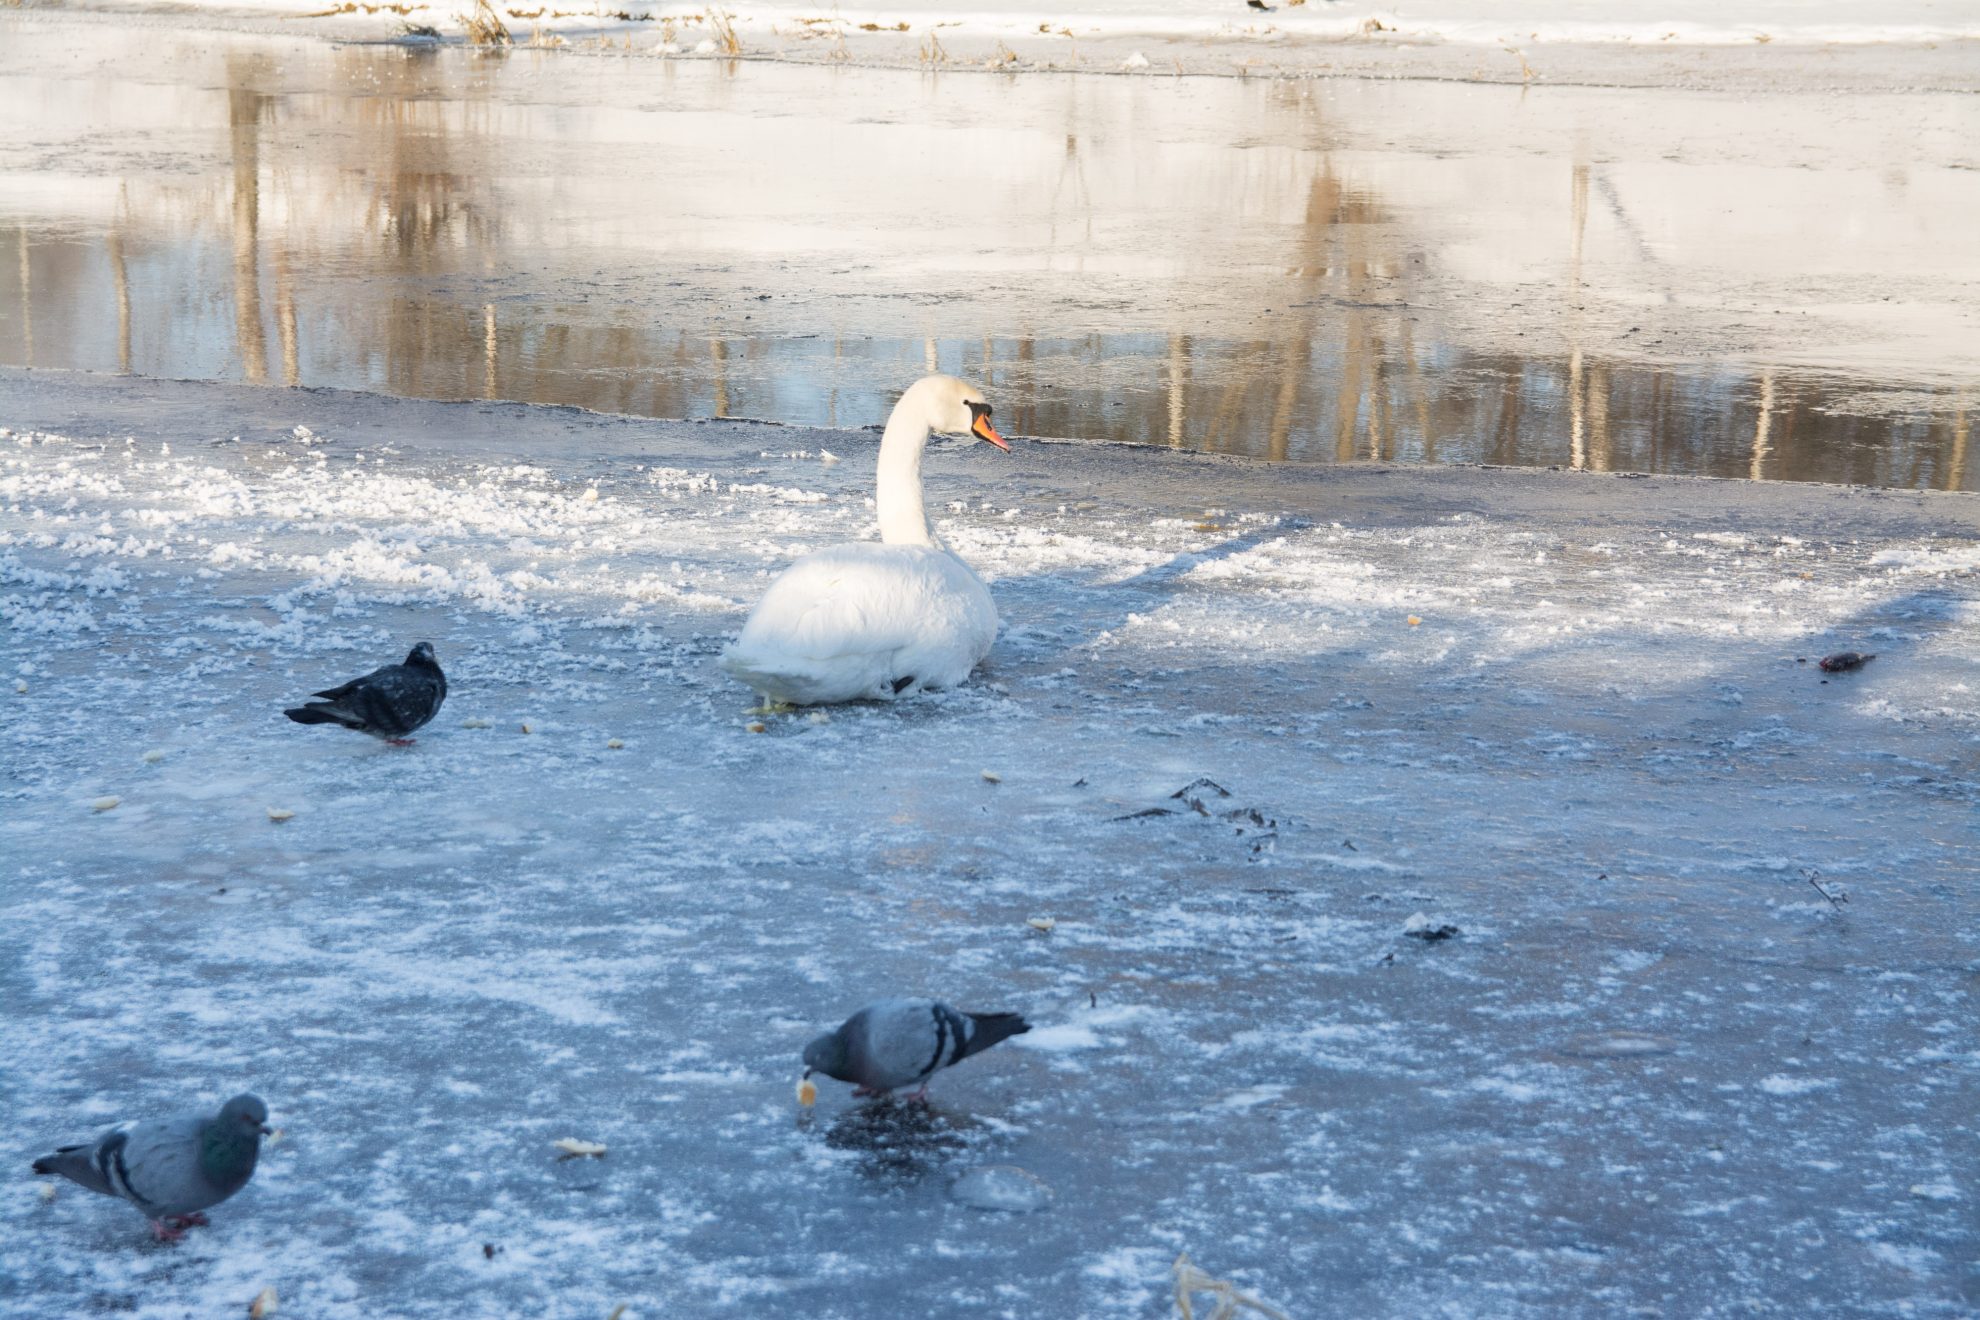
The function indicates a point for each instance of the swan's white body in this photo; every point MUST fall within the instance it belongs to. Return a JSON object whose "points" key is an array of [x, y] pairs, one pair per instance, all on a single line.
{"points": [[873, 622]]}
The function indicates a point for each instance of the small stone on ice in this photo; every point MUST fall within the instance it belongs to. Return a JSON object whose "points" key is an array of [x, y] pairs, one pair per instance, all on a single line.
{"points": [[280, 814], [1420, 927], [992, 777], [615, 743], [1001, 1187], [104, 803]]}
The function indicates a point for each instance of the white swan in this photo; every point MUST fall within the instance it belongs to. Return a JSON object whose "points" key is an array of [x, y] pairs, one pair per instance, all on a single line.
{"points": [[872, 622]]}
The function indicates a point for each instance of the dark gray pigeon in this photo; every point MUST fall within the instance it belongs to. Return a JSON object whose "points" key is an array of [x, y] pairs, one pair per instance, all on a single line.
{"points": [[387, 703], [170, 1168], [897, 1042]]}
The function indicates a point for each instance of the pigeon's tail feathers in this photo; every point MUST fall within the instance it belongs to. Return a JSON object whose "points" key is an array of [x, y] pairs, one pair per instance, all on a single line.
{"points": [[986, 1029], [75, 1164], [339, 692], [318, 712]]}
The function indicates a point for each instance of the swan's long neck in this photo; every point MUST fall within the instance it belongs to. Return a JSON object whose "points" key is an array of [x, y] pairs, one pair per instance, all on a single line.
{"points": [[897, 485]]}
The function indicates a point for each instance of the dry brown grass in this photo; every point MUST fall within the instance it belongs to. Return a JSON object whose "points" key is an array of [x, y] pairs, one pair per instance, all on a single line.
{"points": [[485, 27], [724, 29], [1190, 1280]]}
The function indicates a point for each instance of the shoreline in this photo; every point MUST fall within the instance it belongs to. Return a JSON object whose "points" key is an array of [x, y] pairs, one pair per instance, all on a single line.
{"points": [[1947, 65], [264, 415]]}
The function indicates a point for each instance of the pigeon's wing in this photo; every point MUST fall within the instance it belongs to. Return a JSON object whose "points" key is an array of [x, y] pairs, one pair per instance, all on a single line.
{"points": [[901, 1041], [397, 700], [157, 1167]]}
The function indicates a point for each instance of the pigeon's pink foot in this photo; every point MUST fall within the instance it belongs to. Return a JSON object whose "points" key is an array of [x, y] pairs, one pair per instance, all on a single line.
{"points": [[400, 742], [197, 1219], [919, 1097], [164, 1232]]}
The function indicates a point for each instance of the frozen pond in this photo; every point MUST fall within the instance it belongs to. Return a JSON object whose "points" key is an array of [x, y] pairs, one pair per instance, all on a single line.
{"points": [[1703, 1047], [1782, 286]]}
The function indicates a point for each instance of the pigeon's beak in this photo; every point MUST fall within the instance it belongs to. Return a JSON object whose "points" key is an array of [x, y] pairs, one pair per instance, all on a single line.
{"points": [[267, 1131], [807, 1075], [982, 429]]}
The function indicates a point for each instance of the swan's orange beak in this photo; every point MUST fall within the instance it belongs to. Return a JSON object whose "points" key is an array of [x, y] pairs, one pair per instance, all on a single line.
{"points": [[984, 431]]}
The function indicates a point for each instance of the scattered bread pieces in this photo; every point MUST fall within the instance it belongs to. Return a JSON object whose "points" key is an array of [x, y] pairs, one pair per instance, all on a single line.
{"points": [[1042, 923], [807, 1092], [264, 1304], [280, 814], [575, 1149], [105, 804], [992, 777]]}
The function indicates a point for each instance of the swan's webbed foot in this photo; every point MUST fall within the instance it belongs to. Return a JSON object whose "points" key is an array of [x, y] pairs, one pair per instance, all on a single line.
{"points": [[902, 684]]}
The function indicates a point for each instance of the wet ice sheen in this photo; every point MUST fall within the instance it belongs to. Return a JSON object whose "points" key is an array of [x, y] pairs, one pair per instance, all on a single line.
{"points": [[454, 955], [1001, 1187]]}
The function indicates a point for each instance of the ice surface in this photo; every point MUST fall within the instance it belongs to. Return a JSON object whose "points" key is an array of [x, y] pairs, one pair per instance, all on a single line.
{"points": [[1658, 1071]]}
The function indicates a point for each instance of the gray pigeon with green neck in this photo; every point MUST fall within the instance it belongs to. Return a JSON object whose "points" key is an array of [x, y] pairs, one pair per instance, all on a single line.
{"points": [[897, 1042], [171, 1168]]}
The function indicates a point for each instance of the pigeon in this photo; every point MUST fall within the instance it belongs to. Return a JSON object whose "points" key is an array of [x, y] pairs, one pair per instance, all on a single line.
{"points": [[170, 1168], [896, 1042], [387, 703]]}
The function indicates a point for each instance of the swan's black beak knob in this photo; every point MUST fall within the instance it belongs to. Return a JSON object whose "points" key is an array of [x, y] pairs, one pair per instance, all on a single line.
{"points": [[980, 427]]}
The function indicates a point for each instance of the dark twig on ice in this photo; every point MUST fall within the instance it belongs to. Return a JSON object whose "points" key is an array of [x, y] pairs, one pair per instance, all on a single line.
{"points": [[1836, 900]]}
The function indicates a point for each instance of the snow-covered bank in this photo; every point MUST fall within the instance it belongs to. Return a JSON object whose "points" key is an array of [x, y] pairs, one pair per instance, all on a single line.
{"points": [[1907, 44], [1657, 1069], [1469, 22]]}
